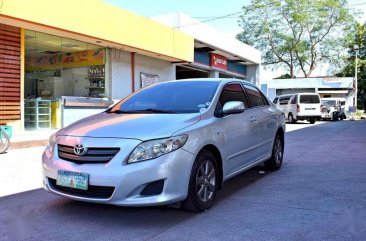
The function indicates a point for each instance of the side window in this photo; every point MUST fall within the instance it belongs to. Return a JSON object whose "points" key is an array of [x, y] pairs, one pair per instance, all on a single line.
{"points": [[284, 100], [254, 96], [232, 92], [294, 99], [275, 100]]}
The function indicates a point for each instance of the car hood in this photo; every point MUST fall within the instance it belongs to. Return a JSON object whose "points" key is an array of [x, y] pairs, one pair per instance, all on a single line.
{"points": [[132, 126]]}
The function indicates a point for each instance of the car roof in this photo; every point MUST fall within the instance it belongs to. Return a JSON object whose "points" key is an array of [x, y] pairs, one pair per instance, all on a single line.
{"points": [[334, 98], [221, 80]]}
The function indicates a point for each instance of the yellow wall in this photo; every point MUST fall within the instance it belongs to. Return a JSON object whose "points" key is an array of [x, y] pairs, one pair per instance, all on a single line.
{"points": [[103, 21]]}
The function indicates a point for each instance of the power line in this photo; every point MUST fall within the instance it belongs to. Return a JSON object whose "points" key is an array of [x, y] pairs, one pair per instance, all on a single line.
{"points": [[211, 19]]}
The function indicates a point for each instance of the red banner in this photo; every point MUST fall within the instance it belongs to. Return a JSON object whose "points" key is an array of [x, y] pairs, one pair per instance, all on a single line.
{"points": [[218, 61]]}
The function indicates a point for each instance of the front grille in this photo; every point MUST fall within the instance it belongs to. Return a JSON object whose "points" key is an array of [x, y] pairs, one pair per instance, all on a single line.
{"points": [[93, 155], [92, 192]]}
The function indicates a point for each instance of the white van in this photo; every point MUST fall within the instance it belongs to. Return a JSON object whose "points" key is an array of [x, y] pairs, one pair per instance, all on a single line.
{"points": [[301, 106]]}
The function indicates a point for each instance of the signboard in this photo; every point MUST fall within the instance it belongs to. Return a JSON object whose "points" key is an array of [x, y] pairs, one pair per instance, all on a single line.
{"points": [[148, 79], [66, 60], [218, 61]]}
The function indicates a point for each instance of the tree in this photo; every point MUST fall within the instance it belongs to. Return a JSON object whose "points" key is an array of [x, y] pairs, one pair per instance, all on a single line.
{"points": [[297, 34], [349, 70]]}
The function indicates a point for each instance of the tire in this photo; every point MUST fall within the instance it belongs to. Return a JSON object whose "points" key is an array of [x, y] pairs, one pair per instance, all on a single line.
{"points": [[335, 116], [291, 119], [312, 121], [4, 142], [275, 162], [203, 183]]}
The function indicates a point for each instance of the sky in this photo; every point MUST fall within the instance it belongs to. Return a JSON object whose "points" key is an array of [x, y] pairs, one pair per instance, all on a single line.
{"points": [[208, 9]]}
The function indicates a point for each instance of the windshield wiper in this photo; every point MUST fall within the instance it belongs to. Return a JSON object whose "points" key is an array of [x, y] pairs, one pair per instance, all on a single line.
{"points": [[119, 112], [151, 110]]}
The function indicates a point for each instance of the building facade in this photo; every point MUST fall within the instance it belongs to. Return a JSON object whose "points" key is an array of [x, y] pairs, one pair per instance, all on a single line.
{"points": [[326, 87], [59, 64]]}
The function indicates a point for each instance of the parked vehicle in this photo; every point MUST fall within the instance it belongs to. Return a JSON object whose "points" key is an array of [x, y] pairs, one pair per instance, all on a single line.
{"points": [[300, 106], [176, 141], [333, 108]]}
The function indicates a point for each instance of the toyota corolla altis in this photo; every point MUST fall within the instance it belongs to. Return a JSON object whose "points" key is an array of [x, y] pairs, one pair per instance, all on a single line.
{"points": [[173, 142]]}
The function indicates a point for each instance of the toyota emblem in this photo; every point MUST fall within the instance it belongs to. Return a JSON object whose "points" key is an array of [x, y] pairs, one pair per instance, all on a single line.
{"points": [[80, 149]]}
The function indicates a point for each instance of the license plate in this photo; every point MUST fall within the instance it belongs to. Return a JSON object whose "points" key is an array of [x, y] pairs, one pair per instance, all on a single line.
{"points": [[309, 108], [73, 180]]}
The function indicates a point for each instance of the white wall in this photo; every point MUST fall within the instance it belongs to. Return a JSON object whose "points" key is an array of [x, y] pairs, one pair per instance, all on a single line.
{"points": [[121, 71], [121, 74], [164, 69]]}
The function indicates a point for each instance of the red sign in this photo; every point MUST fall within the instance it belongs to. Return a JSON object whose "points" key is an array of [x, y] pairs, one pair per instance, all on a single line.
{"points": [[218, 61]]}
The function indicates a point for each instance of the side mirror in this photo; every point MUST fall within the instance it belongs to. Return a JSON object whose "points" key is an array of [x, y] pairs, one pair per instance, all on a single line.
{"points": [[233, 107]]}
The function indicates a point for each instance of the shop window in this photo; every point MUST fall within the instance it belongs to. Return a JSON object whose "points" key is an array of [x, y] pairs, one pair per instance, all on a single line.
{"points": [[56, 68]]}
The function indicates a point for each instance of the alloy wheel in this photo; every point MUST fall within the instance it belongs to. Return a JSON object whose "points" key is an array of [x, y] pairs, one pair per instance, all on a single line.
{"points": [[205, 181], [278, 151]]}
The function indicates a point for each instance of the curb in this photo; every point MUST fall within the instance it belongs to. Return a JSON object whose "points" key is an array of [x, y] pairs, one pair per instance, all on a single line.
{"points": [[26, 144]]}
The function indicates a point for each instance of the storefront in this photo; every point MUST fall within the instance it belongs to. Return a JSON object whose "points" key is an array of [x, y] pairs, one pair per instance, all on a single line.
{"points": [[60, 66], [60, 73]]}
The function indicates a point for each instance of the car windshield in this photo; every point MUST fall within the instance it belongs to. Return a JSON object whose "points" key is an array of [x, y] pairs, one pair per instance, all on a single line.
{"points": [[170, 97], [309, 99], [329, 102]]}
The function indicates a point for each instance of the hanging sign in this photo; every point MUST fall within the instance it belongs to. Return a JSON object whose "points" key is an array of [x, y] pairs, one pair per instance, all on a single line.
{"points": [[218, 61]]}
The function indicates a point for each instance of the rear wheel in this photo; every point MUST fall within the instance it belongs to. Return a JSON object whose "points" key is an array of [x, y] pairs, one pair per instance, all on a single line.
{"points": [[202, 184], [275, 162], [291, 119], [312, 120]]}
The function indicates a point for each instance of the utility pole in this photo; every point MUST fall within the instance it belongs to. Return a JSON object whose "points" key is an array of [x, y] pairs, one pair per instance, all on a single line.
{"points": [[356, 48]]}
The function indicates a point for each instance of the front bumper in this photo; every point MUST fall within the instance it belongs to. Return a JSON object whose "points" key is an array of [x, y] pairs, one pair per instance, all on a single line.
{"points": [[128, 180]]}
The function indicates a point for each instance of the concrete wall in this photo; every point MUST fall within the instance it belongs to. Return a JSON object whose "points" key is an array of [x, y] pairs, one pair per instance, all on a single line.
{"points": [[253, 74], [164, 69], [122, 76]]}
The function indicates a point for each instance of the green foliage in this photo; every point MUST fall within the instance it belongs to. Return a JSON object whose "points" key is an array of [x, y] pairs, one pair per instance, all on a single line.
{"points": [[349, 70], [297, 34]]}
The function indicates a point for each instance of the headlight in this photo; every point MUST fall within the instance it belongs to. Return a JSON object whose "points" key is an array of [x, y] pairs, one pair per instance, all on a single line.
{"points": [[152, 149], [52, 140]]}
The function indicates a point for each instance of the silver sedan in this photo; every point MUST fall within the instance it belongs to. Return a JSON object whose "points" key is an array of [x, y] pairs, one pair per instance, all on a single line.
{"points": [[173, 142]]}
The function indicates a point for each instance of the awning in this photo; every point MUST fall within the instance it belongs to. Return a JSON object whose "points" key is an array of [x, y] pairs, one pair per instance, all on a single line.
{"points": [[333, 91]]}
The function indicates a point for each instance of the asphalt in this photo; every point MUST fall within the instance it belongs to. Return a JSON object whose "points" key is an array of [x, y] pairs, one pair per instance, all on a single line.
{"points": [[319, 194]]}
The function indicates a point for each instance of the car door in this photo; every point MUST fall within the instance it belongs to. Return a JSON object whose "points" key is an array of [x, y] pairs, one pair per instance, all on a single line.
{"points": [[266, 119], [240, 131]]}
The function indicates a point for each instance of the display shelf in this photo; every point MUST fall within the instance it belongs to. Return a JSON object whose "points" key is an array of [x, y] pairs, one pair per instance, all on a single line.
{"points": [[37, 114]]}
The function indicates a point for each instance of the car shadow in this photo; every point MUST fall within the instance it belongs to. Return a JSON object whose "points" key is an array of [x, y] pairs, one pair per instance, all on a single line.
{"points": [[133, 214]]}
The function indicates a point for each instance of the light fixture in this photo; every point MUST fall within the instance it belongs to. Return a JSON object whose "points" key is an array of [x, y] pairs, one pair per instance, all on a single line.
{"points": [[69, 46]]}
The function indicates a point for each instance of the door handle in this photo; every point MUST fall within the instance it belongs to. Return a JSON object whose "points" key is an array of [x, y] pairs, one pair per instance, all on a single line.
{"points": [[253, 119]]}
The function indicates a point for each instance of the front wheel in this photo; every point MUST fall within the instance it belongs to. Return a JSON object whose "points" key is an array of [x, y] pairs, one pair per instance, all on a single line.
{"points": [[275, 162], [202, 184], [4, 142]]}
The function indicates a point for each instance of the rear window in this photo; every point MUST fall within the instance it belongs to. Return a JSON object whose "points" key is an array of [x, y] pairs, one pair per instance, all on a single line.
{"points": [[284, 100], [309, 99]]}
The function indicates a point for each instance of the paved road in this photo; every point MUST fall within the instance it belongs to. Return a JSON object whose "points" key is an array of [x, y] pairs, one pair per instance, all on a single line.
{"points": [[319, 194]]}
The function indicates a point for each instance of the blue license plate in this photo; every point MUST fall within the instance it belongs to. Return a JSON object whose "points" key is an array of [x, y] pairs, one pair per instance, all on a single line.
{"points": [[73, 180]]}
